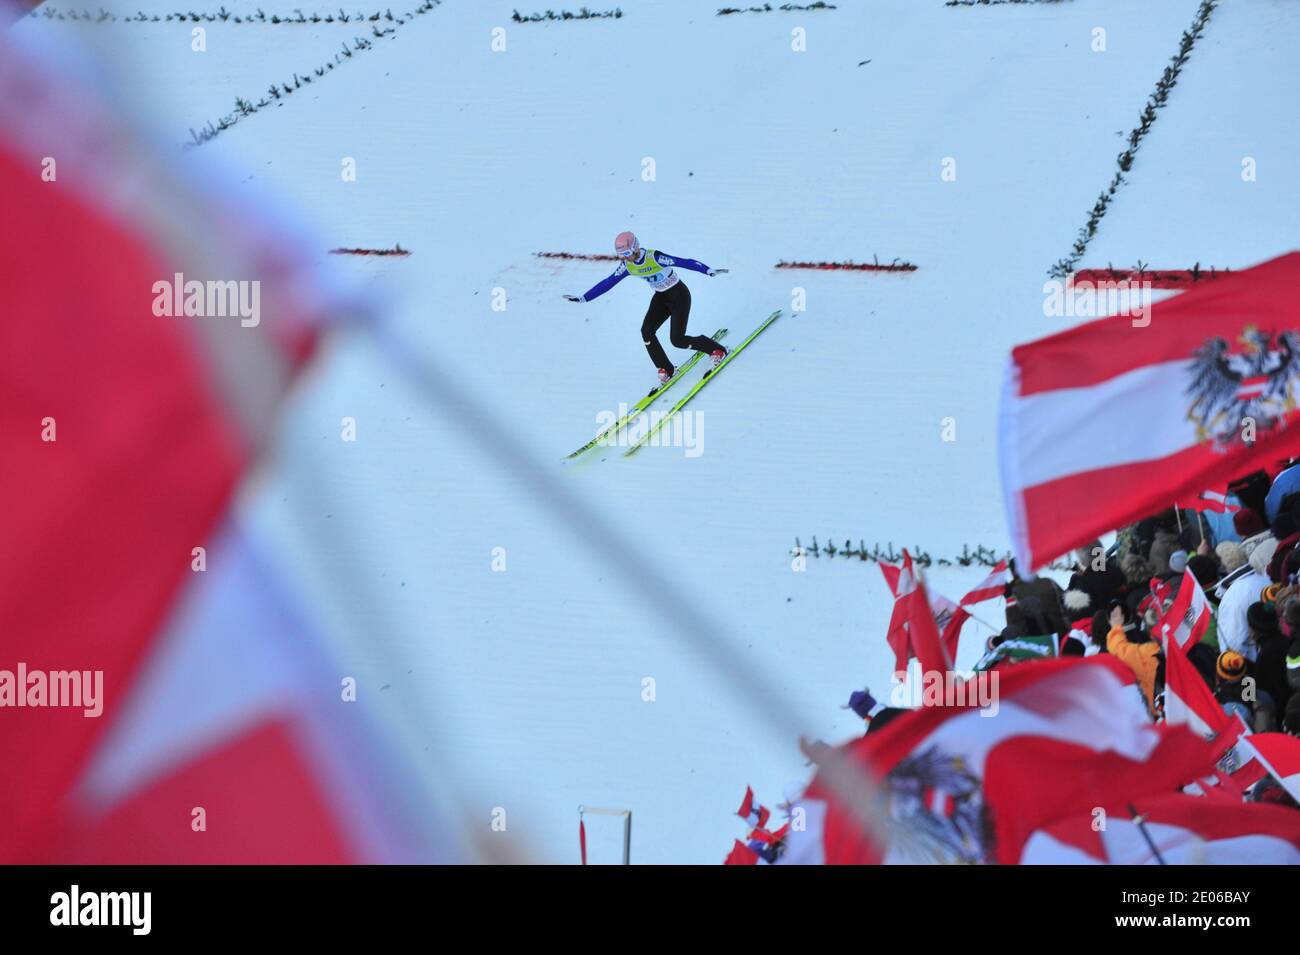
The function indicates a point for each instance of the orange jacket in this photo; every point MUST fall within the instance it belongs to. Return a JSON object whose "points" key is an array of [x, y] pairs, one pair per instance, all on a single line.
{"points": [[1140, 658]]}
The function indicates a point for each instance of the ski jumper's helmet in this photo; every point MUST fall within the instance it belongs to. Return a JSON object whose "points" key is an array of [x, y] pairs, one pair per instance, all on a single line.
{"points": [[626, 245]]}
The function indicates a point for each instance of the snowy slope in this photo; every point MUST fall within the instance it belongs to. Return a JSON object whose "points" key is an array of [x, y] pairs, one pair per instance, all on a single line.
{"points": [[527, 684]]}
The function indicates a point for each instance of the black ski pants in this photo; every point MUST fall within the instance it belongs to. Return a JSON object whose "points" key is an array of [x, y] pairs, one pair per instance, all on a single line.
{"points": [[675, 304]]}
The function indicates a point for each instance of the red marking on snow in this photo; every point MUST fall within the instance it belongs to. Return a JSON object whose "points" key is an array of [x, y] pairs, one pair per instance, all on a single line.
{"points": [[1158, 278], [894, 266], [396, 250], [579, 256]]}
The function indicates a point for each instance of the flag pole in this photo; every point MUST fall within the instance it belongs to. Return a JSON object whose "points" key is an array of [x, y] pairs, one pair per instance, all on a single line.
{"points": [[979, 621], [1140, 822]]}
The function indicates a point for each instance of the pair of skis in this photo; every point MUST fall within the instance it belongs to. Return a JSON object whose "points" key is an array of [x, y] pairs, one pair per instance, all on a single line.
{"points": [[649, 399]]}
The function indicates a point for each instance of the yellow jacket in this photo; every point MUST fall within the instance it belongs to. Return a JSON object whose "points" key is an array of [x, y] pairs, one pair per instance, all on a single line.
{"points": [[1140, 658]]}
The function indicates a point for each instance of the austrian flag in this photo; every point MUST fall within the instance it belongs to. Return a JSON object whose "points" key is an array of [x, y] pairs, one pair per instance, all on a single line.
{"points": [[994, 585], [1188, 617], [930, 637], [1216, 501], [1105, 423]]}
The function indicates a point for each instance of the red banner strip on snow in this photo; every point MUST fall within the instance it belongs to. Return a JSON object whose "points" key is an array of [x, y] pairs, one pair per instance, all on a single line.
{"points": [[396, 250], [1156, 278], [1108, 422], [576, 256], [894, 266]]}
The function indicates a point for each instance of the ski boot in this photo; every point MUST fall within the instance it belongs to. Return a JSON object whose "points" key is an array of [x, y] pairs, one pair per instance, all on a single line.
{"points": [[664, 375]]}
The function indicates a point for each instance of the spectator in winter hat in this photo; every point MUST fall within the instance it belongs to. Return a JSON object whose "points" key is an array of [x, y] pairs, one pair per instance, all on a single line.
{"points": [[1078, 604], [1230, 689], [1287, 521], [1097, 575], [864, 704], [1138, 651], [1247, 522], [1286, 561], [1246, 590], [1205, 569], [1284, 548], [1230, 555], [874, 713], [1248, 544], [1231, 667]]}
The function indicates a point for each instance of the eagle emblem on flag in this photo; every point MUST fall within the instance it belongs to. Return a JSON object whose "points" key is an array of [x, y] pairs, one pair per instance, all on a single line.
{"points": [[1256, 381], [936, 805]]}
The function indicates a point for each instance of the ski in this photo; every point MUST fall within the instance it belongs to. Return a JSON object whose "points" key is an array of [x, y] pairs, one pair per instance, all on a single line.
{"points": [[700, 384], [648, 400]]}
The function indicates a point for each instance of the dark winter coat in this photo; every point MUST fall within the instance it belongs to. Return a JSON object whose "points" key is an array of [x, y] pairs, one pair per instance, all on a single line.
{"points": [[1102, 586], [1038, 608], [1270, 668]]}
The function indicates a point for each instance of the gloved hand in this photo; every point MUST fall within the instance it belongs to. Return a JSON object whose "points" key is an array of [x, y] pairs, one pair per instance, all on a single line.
{"points": [[573, 298], [716, 271]]}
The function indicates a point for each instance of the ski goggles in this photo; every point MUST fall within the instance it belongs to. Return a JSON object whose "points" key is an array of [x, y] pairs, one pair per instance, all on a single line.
{"points": [[628, 253]]}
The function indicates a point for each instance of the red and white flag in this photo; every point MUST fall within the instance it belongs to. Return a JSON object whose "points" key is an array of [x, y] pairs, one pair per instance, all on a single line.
{"points": [[210, 688], [1280, 756], [752, 812], [930, 637], [1212, 382], [1171, 829], [1214, 501], [1188, 617], [994, 585], [740, 854], [1189, 702], [965, 783]]}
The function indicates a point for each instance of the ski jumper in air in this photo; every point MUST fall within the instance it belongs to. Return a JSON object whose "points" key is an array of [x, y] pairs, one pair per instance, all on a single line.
{"points": [[671, 299]]}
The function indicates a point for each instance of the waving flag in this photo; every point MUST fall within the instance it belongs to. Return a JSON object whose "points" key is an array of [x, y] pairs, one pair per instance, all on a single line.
{"points": [[1189, 702], [741, 854], [1171, 830], [756, 815], [1213, 501], [1188, 617], [1216, 374], [994, 585], [220, 735], [1280, 755], [959, 786], [930, 637]]}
